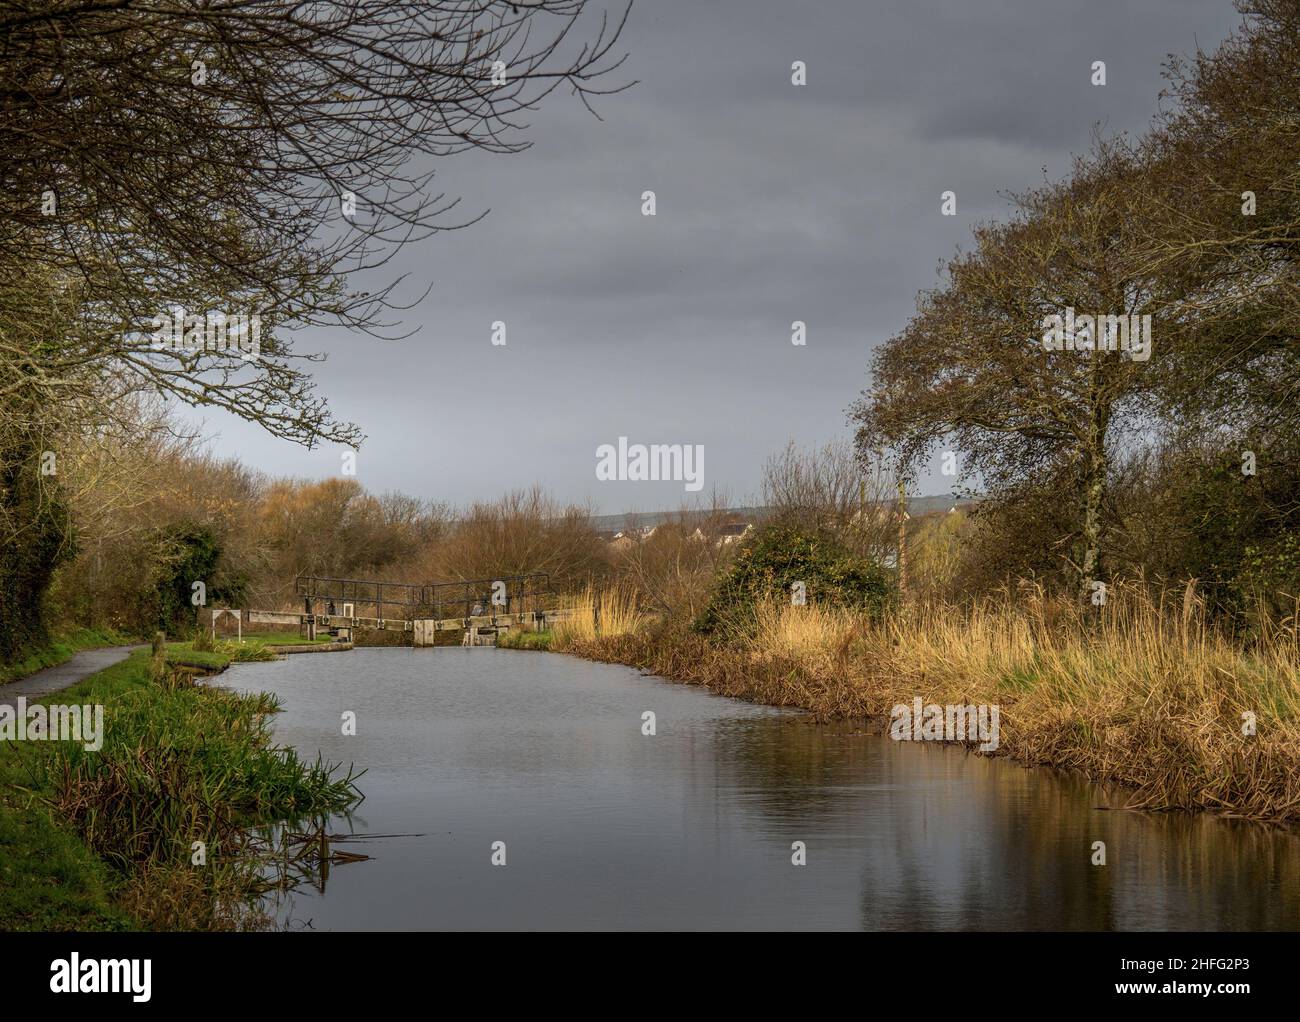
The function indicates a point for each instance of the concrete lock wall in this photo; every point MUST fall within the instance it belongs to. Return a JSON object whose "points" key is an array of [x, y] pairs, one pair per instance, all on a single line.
{"points": [[253, 621], [264, 619], [425, 632]]}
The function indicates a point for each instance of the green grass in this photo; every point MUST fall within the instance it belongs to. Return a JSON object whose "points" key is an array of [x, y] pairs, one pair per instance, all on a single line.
{"points": [[102, 840], [49, 879], [524, 640], [61, 650], [227, 651], [286, 639], [184, 654]]}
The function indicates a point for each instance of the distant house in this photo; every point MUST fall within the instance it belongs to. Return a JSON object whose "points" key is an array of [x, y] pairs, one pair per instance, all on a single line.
{"points": [[622, 539], [886, 512], [734, 533], [723, 535], [625, 538], [877, 514]]}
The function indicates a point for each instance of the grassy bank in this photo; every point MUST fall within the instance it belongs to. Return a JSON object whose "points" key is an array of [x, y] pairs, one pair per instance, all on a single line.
{"points": [[1142, 695], [61, 650], [106, 839], [525, 640], [285, 639]]}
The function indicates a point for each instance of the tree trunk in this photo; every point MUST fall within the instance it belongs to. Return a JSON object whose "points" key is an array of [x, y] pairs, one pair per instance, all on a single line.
{"points": [[1096, 466]]}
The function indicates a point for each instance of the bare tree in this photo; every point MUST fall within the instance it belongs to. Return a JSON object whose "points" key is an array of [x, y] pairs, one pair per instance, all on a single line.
{"points": [[249, 155], [169, 168], [524, 531], [837, 488], [673, 569]]}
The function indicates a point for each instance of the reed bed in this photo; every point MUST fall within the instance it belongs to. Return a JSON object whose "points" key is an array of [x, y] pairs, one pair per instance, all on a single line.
{"points": [[610, 613], [1140, 691]]}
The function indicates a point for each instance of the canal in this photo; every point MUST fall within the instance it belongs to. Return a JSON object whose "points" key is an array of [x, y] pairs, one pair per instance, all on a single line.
{"points": [[695, 827]]}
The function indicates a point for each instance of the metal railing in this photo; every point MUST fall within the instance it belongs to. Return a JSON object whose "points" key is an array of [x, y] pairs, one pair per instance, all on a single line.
{"points": [[515, 594]]}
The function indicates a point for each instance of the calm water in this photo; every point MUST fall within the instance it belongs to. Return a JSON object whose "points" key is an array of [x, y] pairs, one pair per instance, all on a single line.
{"points": [[692, 828]]}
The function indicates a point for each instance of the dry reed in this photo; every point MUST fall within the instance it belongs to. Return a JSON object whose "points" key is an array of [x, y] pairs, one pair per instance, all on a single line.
{"points": [[1139, 691], [612, 612]]}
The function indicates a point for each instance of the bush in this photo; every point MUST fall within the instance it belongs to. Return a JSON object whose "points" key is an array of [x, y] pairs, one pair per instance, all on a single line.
{"points": [[776, 557], [1238, 535], [185, 554], [1270, 574]]}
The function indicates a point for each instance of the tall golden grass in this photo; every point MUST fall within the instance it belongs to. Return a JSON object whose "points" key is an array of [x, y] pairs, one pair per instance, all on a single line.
{"points": [[1140, 691], [611, 612]]}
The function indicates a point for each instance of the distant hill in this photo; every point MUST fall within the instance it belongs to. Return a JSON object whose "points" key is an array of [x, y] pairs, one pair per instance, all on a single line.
{"points": [[612, 523]]}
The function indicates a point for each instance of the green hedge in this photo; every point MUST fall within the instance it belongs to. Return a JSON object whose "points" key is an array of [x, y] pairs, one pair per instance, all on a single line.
{"points": [[776, 557]]}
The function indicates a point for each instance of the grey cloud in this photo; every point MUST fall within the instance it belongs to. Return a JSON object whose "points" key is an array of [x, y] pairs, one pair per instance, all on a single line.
{"points": [[775, 204]]}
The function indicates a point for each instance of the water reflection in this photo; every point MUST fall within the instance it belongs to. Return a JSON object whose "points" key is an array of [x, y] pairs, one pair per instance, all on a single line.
{"points": [[692, 828]]}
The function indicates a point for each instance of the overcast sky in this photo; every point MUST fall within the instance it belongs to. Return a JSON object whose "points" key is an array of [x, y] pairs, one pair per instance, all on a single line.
{"points": [[775, 203]]}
